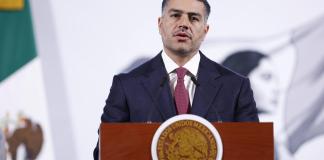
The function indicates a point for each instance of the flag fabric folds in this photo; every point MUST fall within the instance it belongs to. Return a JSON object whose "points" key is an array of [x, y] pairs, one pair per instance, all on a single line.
{"points": [[24, 119]]}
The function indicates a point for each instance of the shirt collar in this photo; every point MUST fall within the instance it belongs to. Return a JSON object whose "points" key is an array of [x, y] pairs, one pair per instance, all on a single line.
{"points": [[192, 65]]}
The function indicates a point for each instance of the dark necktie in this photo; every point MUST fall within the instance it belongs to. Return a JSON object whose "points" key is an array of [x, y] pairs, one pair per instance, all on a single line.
{"points": [[181, 94]]}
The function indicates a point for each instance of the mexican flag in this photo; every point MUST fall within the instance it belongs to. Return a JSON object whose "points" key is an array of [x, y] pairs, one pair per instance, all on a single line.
{"points": [[23, 107], [305, 99]]}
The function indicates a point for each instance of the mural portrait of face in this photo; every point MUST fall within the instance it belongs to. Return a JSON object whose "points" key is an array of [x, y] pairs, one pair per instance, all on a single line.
{"points": [[265, 85], [264, 81]]}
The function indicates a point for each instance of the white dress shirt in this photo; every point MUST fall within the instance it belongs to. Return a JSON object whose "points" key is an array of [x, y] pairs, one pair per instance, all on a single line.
{"points": [[192, 67]]}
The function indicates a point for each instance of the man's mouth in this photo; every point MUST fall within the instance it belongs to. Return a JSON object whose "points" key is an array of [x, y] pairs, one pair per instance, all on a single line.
{"points": [[182, 36]]}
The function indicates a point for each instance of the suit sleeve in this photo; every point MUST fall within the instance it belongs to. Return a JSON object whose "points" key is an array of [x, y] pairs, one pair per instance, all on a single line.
{"points": [[116, 108], [246, 106]]}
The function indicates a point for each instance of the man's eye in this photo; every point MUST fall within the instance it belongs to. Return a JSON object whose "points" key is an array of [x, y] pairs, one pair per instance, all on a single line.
{"points": [[194, 19], [175, 15]]}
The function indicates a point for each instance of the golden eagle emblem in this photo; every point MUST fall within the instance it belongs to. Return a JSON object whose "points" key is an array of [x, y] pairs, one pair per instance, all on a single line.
{"points": [[186, 140]]}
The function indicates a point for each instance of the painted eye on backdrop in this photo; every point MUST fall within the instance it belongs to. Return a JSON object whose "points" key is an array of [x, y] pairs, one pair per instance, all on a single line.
{"points": [[266, 76]]}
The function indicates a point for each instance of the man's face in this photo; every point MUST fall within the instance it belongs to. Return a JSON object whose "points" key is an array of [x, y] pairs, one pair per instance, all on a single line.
{"points": [[183, 26]]}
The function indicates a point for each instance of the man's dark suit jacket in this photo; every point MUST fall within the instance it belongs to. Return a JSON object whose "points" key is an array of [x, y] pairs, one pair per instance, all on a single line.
{"points": [[144, 95]]}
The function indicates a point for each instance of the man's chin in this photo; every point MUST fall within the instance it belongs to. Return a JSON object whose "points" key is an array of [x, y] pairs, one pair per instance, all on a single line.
{"points": [[183, 52]]}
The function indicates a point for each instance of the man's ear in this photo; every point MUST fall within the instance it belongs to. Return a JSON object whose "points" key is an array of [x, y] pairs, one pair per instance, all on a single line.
{"points": [[206, 28], [159, 24]]}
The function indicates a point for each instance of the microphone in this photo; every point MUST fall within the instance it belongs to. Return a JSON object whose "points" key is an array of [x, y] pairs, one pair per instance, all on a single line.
{"points": [[194, 80], [150, 112], [219, 118], [163, 80]]}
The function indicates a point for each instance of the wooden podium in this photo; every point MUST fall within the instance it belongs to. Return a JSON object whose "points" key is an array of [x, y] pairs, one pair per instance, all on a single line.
{"points": [[241, 141]]}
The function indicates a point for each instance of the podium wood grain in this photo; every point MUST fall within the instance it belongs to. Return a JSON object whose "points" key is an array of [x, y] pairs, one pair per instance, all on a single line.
{"points": [[241, 141]]}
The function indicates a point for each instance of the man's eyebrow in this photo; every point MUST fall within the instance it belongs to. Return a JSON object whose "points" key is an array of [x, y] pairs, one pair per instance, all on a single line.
{"points": [[180, 11], [194, 14], [175, 10]]}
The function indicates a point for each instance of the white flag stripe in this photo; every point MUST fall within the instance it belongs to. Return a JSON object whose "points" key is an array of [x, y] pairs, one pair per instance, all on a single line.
{"points": [[24, 92]]}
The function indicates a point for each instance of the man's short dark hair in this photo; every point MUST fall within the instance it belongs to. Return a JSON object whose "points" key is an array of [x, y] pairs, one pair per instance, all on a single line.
{"points": [[205, 2]]}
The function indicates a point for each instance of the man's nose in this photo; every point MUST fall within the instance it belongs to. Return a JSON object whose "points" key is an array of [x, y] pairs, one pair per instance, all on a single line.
{"points": [[184, 23], [183, 27]]}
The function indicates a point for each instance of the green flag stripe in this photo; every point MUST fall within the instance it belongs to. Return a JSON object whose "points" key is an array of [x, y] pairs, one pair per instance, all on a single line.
{"points": [[17, 45]]}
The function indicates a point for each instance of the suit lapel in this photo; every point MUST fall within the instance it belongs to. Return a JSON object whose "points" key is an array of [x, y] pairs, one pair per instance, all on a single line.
{"points": [[208, 87], [155, 82]]}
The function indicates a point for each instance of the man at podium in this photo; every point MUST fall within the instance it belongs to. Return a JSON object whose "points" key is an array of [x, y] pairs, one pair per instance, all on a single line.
{"points": [[180, 79]]}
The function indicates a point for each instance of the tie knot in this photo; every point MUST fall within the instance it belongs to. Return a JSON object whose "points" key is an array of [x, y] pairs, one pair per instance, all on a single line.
{"points": [[181, 72]]}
